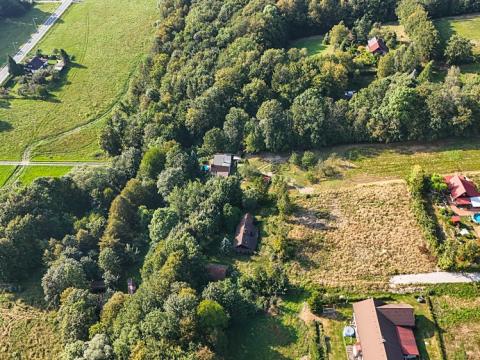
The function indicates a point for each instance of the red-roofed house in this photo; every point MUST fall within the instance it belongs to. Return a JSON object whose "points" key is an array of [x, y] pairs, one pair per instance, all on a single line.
{"points": [[462, 191], [384, 331], [377, 46]]}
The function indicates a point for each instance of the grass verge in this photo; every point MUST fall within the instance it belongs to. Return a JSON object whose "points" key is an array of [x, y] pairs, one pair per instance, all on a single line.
{"points": [[5, 173], [30, 173]]}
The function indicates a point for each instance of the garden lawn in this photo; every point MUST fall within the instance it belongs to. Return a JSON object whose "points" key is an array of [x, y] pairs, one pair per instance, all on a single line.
{"points": [[5, 172], [467, 26], [107, 39], [30, 173], [313, 44], [266, 337], [16, 31]]}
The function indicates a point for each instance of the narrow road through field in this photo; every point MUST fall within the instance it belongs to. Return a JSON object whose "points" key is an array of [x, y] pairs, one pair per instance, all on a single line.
{"points": [[440, 277], [36, 37]]}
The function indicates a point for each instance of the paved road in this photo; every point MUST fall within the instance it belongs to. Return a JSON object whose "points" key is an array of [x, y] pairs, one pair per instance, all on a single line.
{"points": [[36, 37], [51, 163], [440, 277]]}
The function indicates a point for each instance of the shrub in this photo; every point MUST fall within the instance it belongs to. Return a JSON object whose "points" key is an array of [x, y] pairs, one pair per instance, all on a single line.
{"points": [[309, 159]]}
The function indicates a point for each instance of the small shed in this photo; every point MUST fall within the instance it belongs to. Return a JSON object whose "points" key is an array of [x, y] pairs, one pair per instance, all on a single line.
{"points": [[97, 286], [246, 236], [59, 66], [216, 272], [455, 220], [222, 165], [377, 46]]}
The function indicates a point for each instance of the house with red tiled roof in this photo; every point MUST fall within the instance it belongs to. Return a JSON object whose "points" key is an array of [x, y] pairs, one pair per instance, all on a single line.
{"points": [[384, 331], [377, 46], [463, 192]]}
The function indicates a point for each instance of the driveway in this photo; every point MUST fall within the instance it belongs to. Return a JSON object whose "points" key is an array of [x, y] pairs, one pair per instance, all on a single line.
{"points": [[440, 277], [36, 37]]}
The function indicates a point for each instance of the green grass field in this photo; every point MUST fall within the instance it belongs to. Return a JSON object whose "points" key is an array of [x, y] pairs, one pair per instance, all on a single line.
{"points": [[107, 40], [14, 32], [313, 44], [376, 162], [30, 173], [80, 145], [5, 172], [467, 26]]}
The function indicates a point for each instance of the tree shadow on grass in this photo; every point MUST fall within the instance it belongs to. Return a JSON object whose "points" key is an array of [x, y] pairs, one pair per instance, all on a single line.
{"points": [[5, 126], [4, 104], [425, 330]]}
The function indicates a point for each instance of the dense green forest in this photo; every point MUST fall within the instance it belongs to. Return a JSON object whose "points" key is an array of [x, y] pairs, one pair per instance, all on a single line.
{"points": [[220, 77], [12, 8]]}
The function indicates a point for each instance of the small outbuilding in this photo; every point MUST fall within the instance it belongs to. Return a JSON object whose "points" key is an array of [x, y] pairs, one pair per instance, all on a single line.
{"points": [[377, 46], [222, 165], [246, 236], [216, 272]]}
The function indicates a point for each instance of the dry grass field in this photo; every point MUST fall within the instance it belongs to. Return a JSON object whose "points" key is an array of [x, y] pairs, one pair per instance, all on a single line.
{"points": [[357, 236], [27, 332]]}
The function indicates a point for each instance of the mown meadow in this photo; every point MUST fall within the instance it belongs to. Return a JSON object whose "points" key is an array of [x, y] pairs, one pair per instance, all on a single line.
{"points": [[107, 40]]}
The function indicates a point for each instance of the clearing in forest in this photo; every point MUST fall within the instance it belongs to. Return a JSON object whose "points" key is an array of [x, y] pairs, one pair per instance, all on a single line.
{"points": [[107, 39], [358, 235], [313, 44]]}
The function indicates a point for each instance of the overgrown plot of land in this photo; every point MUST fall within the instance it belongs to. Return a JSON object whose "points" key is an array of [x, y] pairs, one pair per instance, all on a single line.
{"points": [[356, 236], [27, 332], [106, 39], [459, 318], [16, 31]]}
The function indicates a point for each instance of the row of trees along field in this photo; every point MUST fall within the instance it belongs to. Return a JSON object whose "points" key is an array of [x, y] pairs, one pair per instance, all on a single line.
{"points": [[13, 8], [218, 78]]}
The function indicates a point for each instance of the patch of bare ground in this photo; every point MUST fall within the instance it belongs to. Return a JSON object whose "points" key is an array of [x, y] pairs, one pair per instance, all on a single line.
{"points": [[307, 315], [357, 236]]}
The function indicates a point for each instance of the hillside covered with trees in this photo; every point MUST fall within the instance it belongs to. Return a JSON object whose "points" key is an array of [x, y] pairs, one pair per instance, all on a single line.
{"points": [[220, 77]]}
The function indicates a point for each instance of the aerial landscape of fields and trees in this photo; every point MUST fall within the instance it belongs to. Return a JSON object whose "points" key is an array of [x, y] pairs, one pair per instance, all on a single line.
{"points": [[241, 179]]}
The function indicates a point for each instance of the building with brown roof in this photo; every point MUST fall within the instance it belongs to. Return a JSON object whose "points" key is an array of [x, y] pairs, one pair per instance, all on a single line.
{"points": [[216, 272], [246, 236], [377, 46], [384, 331]]}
